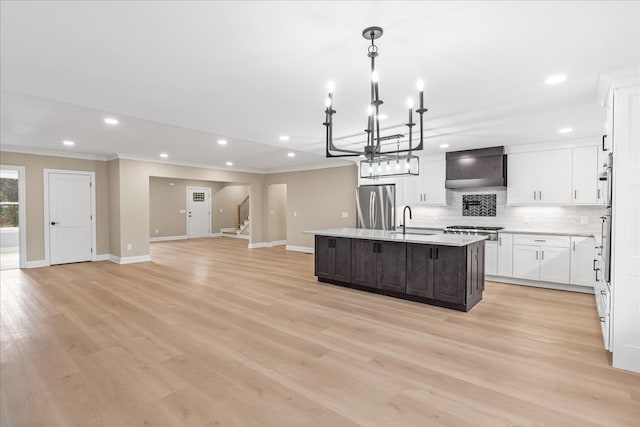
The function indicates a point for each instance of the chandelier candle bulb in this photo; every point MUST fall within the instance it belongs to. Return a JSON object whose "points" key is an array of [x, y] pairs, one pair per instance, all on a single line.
{"points": [[420, 86]]}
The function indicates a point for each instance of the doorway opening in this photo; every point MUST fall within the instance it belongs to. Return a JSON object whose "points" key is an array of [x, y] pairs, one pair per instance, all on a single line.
{"points": [[12, 218]]}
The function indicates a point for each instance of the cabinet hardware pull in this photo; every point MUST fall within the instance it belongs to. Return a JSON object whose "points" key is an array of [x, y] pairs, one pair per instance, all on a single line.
{"points": [[437, 250], [603, 292], [604, 137], [534, 195], [575, 194], [598, 193], [536, 255], [574, 246], [500, 241], [594, 265], [601, 319], [430, 253], [540, 198], [539, 240], [542, 256]]}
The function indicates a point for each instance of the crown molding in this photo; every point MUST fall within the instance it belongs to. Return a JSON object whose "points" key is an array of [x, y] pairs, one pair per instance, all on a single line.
{"points": [[608, 79], [126, 156], [310, 167], [54, 153]]}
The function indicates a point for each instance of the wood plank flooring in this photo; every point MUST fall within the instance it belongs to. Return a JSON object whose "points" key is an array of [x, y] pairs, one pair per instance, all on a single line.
{"points": [[211, 333]]}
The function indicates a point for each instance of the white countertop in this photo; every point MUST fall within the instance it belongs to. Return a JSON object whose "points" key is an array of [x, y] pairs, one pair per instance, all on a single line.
{"points": [[547, 232], [396, 236]]}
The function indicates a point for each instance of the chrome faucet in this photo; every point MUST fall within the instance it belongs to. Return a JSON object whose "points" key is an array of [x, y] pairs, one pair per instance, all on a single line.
{"points": [[404, 219]]}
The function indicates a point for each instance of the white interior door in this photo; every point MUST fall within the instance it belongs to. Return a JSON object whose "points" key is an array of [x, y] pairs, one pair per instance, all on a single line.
{"points": [[198, 212], [70, 217]]}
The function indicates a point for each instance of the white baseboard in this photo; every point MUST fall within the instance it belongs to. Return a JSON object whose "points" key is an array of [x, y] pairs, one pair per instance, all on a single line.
{"points": [[304, 249], [35, 264], [129, 259], [166, 238], [258, 245], [102, 257], [215, 235], [278, 243], [10, 249], [237, 236], [537, 284]]}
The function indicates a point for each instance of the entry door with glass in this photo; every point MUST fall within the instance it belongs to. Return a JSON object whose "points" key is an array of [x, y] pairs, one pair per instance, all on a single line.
{"points": [[198, 212]]}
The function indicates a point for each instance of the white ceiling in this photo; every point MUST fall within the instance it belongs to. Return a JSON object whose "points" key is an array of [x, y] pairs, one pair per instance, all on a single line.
{"points": [[180, 75]]}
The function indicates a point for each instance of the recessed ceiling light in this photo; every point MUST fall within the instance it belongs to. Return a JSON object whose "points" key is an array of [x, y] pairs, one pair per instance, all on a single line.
{"points": [[565, 130], [68, 143], [164, 155], [291, 154], [222, 141], [111, 121], [444, 145], [284, 138], [555, 79], [229, 163]]}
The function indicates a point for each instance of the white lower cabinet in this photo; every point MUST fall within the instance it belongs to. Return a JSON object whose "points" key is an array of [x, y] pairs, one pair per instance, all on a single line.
{"points": [[545, 258], [505, 255], [582, 256], [491, 258]]}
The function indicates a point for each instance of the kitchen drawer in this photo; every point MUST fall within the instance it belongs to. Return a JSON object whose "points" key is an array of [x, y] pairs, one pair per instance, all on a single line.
{"points": [[542, 240]]}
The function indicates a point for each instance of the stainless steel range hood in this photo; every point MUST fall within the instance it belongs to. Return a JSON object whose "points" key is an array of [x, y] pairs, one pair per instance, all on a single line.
{"points": [[485, 167]]}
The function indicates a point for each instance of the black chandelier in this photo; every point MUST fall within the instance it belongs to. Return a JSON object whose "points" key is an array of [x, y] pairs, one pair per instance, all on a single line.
{"points": [[378, 162]]}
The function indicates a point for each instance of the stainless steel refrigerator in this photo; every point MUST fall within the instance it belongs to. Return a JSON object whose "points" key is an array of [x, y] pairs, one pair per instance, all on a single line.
{"points": [[376, 206]]}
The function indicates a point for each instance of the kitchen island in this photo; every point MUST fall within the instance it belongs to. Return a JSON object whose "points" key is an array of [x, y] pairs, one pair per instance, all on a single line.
{"points": [[441, 269]]}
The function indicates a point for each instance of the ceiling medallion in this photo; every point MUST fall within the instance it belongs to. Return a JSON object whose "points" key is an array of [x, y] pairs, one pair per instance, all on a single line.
{"points": [[378, 161]]}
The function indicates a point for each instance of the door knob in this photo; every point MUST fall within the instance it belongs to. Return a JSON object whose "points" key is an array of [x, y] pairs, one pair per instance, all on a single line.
{"points": [[53, 223]]}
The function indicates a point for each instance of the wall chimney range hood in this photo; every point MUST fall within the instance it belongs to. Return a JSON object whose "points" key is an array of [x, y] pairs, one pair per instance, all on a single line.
{"points": [[485, 167]]}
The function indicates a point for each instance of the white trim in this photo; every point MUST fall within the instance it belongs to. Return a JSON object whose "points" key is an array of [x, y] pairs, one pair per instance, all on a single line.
{"points": [[10, 249], [54, 153], [209, 199], [35, 264], [215, 235], [539, 284], [552, 145], [258, 245], [102, 257], [237, 236], [166, 238], [304, 249], [92, 177], [22, 212], [609, 79], [129, 259], [278, 243]]}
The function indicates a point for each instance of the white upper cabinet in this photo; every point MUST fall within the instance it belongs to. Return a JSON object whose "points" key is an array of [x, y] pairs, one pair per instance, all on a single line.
{"points": [[585, 175], [426, 189], [522, 178], [553, 177]]}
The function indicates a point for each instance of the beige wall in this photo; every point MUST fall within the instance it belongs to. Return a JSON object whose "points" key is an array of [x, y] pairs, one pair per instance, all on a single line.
{"points": [[134, 198], [166, 201], [277, 207], [318, 197], [123, 214], [34, 189], [225, 206]]}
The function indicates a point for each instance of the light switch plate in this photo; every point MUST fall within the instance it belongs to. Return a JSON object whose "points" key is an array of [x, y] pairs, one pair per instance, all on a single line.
{"points": [[345, 214], [129, 246], [295, 213], [183, 211], [526, 219]]}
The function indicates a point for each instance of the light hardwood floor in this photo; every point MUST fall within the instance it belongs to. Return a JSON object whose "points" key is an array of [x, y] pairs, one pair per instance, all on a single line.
{"points": [[211, 333]]}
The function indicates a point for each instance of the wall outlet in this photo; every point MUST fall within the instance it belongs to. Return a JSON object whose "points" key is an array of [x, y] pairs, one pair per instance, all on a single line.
{"points": [[295, 213], [183, 211], [221, 210], [345, 214], [129, 246], [526, 219], [157, 231], [584, 220]]}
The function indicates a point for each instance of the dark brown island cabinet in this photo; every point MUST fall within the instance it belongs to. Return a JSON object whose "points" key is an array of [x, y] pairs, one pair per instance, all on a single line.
{"points": [[446, 276]]}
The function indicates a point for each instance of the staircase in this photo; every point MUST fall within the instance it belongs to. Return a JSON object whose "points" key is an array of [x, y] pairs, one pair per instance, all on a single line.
{"points": [[243, 230]]}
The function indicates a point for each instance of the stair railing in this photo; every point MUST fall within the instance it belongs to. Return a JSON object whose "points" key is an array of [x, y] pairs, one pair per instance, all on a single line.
{"points": [[243, 211]]}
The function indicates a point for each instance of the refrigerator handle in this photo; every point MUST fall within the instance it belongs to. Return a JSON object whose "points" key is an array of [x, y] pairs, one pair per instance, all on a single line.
{"points": [[372, 209]]}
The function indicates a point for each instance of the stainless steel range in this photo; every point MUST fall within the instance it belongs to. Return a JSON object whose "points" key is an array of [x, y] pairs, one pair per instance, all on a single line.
{"points": [[490, 232]]}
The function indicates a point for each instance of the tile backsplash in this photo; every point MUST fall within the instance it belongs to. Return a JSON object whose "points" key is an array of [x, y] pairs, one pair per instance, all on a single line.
{"points": [[479, 204], [539, 218]]}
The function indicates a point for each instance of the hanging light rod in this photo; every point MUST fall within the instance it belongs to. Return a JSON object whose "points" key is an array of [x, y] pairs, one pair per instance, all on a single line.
{"points": [[372, 150]]}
